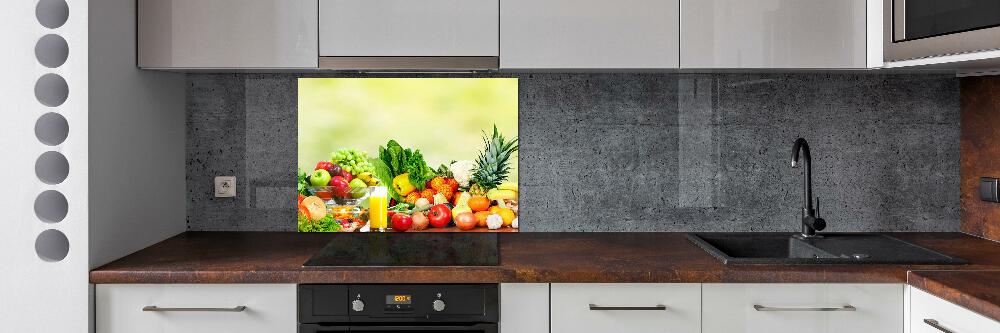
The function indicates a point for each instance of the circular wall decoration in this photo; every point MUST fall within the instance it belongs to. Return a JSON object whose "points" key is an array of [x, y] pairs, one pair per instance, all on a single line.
{"points": [[51, 90], [52, 13], [52, 167], [51, 51], [51, 129], [51, 206], [52, 245]]}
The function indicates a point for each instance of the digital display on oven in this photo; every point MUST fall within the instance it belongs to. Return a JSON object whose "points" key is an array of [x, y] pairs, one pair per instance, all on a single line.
{"points": [[398, 299]]}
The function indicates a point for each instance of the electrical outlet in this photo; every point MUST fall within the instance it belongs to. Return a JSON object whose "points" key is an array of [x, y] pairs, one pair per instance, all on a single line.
{"points": [[225, 187]]}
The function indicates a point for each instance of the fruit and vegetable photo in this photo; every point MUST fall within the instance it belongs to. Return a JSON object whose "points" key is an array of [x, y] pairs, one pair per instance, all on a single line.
{"points": [[407, 155]]}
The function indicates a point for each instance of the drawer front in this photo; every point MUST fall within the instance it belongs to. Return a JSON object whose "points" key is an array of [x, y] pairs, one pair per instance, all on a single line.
{"points": [[680, 307], [269, 308], [800, 308], [946, 315]]}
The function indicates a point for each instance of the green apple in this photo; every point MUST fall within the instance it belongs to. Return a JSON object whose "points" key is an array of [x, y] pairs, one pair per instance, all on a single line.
{"points": [[320, 177], [357, 182], [357, 188]]}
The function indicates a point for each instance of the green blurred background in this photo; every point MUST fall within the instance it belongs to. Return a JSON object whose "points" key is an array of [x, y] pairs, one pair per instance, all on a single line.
{"points": [[442, 117]]}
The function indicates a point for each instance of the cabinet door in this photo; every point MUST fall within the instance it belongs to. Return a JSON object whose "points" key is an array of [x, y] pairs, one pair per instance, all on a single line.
{"points": [[628, 34], [626, 307], [930, 314], [407, 28], [524, 308], [227, 33], [773, 34], [268, 308], [802, 308]]}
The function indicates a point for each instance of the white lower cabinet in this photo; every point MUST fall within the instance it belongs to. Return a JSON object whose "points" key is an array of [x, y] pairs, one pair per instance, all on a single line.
{"points": [[930, 314], [524, 308], [195, 308], [625, 307], [802, 308]]}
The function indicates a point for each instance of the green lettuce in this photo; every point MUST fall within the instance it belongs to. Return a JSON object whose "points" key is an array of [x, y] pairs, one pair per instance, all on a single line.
{"points": [[400, 160]]}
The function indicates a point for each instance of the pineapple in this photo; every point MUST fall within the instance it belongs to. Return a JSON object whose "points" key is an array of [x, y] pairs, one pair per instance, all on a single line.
{"points": [[493, 163], [475, 189]]}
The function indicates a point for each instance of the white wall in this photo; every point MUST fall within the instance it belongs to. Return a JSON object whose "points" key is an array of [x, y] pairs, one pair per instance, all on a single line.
{"points": [[124, 187], [137, 126], [38, 295]]}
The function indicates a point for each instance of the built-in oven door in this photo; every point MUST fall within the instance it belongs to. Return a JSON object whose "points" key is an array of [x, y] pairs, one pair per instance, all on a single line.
{"points": [[474, 328], [928, 28]]}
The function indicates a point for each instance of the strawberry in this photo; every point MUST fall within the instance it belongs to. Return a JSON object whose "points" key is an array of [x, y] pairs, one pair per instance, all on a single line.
{"points": [[453, 184], [428, 194], [437, 183]]}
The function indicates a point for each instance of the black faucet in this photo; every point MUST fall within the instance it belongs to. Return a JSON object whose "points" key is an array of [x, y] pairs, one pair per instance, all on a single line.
{"points": [[811, 222]]}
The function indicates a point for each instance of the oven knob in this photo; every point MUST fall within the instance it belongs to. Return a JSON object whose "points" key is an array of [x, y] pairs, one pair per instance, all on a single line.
{"points": [[438, 305], [358, 305]]}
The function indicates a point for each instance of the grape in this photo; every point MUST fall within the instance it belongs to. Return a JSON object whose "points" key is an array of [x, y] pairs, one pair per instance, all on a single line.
{"points": [[352, 160]]}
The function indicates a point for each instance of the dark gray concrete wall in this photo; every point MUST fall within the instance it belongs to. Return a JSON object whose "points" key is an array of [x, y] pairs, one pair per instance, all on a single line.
{"points": [[640, 152]]}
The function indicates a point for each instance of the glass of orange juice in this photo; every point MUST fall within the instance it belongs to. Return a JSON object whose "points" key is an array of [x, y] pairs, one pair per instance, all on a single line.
{"points": [[378, 204]]}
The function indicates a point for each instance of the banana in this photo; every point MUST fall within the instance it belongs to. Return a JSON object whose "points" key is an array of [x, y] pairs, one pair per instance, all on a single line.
{"points": [[498, 194], [508, 186]]}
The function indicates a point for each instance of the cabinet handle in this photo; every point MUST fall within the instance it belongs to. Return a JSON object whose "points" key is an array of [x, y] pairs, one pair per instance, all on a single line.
{"points": [[848, 307], [935, 324], [657, 307], [159, 309]]}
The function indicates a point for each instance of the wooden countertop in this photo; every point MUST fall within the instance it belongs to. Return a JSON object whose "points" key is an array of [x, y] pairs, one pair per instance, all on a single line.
{"points": [[269, 257], [973, 290], [276, 257]]}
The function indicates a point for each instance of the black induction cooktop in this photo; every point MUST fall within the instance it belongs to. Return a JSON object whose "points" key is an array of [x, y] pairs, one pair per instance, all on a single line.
{"points": [[409, 249]]}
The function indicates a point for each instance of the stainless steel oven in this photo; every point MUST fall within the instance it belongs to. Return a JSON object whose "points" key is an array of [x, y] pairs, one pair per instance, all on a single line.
{"points": [[916, 29], [385, 308]]}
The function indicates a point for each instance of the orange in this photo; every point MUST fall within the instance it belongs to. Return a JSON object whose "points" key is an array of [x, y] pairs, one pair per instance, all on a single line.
{"points": [[481, 218], [494, 209], [479, 203], [507, 215]]}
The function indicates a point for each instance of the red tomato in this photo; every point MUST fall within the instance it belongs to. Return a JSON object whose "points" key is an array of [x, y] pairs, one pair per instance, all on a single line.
{"points": [[401, 222], [439, 216]]}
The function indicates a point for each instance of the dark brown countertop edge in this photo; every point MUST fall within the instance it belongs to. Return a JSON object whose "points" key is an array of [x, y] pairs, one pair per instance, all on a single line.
{"points": [[263, 257], [978, 291]]}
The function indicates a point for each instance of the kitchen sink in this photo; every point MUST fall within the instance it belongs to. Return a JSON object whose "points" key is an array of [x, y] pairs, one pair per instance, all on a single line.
{"points": [[831, 248]]}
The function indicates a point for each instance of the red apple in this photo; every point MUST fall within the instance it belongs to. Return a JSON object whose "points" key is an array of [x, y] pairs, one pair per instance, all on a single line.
{"points": [[340, 186], [325, 165], [347, 175]]}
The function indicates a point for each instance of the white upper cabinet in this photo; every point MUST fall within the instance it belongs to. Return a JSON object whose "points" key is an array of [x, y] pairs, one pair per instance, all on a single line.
{"points": [[777, 33], [599, 34], [227, 33], [407, 28]]}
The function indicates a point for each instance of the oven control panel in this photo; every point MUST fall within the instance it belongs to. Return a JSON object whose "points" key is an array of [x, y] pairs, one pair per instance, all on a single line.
{"points": [[398, 303]]}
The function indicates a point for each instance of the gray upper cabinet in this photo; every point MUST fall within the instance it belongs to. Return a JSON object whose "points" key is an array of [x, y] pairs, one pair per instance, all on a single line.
{"points": [[408, 28], [582, 34], [774, 34], [192, 34]]}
